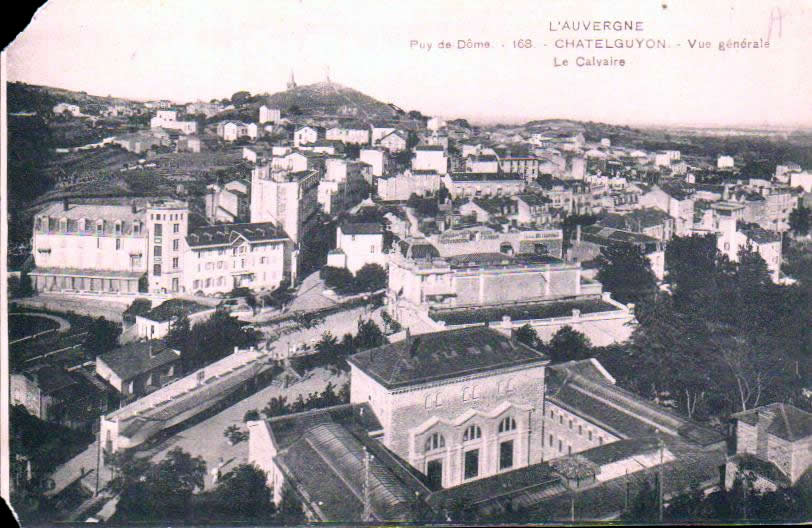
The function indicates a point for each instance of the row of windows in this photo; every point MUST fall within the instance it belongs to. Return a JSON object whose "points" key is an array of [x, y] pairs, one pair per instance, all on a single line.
{"points": [[552, 441], [571, 425], [171, 216], [472, 433], [84, 225], [220, 281]]}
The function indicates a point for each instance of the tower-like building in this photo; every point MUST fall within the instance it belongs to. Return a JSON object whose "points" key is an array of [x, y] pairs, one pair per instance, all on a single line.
{"points": [[291, 81]]}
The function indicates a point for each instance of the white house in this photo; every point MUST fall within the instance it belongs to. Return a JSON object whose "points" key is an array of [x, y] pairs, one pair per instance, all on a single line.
{"points": [[269, 115], [358, 244], [430, 157]]}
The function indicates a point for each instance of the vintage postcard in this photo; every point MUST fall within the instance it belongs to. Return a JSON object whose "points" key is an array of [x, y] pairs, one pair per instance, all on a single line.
{"points": [[280, 262]]}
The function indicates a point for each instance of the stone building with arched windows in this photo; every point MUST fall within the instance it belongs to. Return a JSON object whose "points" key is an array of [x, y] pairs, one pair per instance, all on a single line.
{"points": [[457, 405]]}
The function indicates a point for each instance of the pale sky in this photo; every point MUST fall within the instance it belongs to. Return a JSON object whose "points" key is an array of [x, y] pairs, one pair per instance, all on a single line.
{"points": [[186, 50]]}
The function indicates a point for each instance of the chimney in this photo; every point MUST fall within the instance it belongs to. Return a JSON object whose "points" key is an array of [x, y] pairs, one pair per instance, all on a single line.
{"points": [[65, 204], [134, 208], [578, 233]]}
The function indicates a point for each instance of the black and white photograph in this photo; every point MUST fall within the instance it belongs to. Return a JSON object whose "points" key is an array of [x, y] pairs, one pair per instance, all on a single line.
{"points": [[375, 262]]}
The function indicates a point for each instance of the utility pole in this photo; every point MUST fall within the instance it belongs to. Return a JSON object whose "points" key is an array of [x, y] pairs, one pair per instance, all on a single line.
{"points": [[660, 479], [367, 506]]}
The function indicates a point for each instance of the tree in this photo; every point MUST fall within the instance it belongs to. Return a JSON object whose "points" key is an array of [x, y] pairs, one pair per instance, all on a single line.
{"points": [[294, 110], [369, 335], [240, 97], [799, 220], [339, 280], [290, 507], [626, 272], [568, 344], [243, 494], [277, 406], [102, 336], [644, 507], [751, 270], [371, 277], [527, 335]]}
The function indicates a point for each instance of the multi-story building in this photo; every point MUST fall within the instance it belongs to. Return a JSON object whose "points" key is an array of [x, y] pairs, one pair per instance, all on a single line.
{"points": [[207, 109], [472, 184], [229, 203], [732, 237], [402, 186], [223, 257], [458, 405], [357, 244], [269, 115], [647, 221], [534, 208], [484, 239], [345, 184], [435, 123], [430, 157], [725, 162], [527, 166], [288, 199], [109, 248], [678, 202], [377, 159]]}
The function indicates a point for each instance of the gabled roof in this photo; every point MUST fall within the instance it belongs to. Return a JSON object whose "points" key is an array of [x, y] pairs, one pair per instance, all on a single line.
{"points": [[443, 355], [226, 234], [430, 147], [784, 420], [139, 358]]}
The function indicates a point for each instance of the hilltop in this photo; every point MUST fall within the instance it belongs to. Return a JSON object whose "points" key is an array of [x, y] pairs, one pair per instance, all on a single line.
{"points": [[330, 99]]}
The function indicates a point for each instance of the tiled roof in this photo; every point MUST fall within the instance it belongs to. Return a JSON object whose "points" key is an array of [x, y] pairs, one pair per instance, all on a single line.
{"points": [[226, 234], [622, 413], [361, 228], [785, 421], [534, 199], [443, 355], [429, 147], [51, 379], [608, 235], [138, 358]]}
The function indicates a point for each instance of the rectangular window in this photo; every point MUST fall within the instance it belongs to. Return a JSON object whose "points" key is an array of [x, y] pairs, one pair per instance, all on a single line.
{"points": [[506, 454], [560, 446], [176, 228], [570, 424], [569, 450], [156, 269], [561, 419], [590, 436], [600, 440], [158, 229], [471, 464], [118, 243], [551, 442], [157, 251], [175, 262], [552, 415], [196, 284], [580, 430], [176, 244]]}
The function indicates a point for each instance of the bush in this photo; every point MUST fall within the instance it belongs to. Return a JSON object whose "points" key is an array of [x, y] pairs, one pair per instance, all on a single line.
{"points": [[251, 415]]}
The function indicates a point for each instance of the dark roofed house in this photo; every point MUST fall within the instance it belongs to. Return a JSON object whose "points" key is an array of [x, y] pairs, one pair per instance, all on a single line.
{"points": [[139, 368], [774, 442], [361, 228], [441, 355], [156, 323], [54, 394]]}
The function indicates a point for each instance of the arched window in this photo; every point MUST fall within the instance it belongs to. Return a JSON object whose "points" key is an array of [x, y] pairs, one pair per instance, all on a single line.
{"points": [[472, 433], [507, 424], [435, 441]]}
